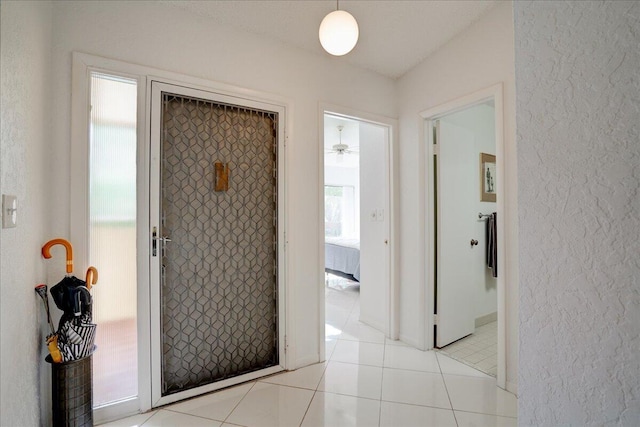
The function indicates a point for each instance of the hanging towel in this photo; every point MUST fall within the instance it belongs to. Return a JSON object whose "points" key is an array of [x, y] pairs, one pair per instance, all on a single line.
{"points": [[492, 243]]}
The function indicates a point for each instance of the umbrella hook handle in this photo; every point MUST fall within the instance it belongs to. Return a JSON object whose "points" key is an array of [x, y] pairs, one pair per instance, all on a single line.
{"points": [[46, 251], [92, 277]]}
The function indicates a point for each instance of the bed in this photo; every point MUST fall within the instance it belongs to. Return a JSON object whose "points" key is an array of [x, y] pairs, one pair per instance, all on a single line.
{"points": [[342, 257]]}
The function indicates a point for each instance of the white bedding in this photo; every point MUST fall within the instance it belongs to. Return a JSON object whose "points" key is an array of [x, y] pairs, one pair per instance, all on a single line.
{"points": [[343, 255]]}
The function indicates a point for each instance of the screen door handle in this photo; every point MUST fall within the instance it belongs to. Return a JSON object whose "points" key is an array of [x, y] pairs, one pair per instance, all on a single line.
{"points": [[155, 239]]}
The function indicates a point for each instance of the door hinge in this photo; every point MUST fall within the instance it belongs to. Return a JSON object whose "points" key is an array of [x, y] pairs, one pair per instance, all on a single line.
{"points": [[436, 149], [436, 319], [286, 343]]}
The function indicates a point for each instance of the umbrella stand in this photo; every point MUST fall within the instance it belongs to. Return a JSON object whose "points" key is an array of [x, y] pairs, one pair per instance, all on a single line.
{"points": [[71, 391], [71, 380]]}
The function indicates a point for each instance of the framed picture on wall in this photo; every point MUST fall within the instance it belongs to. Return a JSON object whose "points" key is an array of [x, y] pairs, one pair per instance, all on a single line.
{"points": [[487, 177]]}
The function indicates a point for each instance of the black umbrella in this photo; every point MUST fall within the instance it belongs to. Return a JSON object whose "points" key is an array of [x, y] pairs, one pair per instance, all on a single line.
{"points": [[72, 296]]}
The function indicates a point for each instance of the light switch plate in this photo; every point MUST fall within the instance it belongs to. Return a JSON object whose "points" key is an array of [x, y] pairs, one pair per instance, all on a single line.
{"points": [[9, 211]]}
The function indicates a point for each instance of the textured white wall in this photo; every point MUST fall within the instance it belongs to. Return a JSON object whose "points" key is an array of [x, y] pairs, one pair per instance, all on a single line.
{"points": [[25, 113], [154, 35], [476, 59], [578, 117]]}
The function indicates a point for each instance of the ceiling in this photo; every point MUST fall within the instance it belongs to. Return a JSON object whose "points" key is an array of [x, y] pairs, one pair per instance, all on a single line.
{"points": [[395, 35]]}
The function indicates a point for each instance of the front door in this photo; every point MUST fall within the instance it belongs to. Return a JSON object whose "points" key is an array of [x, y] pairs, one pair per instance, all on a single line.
{"points": [[216, 241]]}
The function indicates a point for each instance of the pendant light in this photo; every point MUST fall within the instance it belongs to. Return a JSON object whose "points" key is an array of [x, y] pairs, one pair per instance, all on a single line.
{"points": [[338, 32]]}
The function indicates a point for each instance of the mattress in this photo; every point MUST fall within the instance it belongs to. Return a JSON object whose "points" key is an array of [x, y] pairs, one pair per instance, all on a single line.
{"points": [[343, 256]]}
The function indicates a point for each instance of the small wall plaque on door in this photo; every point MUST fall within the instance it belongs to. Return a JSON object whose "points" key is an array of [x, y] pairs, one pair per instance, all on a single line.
{"points": [[222, 176]]}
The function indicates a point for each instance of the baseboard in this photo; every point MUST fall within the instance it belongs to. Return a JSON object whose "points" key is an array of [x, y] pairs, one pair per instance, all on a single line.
{"points": [[487, 318]]}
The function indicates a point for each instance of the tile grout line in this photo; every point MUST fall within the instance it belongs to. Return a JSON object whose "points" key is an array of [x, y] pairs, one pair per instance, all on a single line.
{"points": [[484, 413], [192, 415], [447, 390], [147, 420], [308, 406], [384, 354], [239, 401]]}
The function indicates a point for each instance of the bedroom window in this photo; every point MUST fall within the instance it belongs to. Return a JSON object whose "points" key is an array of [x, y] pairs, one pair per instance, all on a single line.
{"points": [[339, 211]]}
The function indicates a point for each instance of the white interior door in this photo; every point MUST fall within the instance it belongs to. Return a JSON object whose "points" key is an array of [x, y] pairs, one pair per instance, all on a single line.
{"points": [[374, 226], [217, 241], [456, 179]]}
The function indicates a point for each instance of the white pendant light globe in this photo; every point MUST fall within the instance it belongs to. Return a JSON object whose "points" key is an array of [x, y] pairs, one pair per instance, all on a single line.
{"points": [[338, 33]]}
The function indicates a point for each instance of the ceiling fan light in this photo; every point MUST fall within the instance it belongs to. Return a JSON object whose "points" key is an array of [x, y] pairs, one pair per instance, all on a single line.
{"points": [[338, 33]]}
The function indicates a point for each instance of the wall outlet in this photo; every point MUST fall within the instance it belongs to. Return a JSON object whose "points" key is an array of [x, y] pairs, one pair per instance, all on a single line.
{"points": [[9, 211]]}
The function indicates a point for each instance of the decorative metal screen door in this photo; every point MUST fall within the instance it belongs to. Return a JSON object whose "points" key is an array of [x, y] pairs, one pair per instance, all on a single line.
{"points": [[216, 246]]}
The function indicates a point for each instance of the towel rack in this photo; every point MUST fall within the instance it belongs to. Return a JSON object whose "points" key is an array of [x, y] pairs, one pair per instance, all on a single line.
{"points": [[483, 216]]}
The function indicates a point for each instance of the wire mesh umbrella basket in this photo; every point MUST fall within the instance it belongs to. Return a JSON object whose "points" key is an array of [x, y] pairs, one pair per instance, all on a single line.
{"points": [[71, 347]]}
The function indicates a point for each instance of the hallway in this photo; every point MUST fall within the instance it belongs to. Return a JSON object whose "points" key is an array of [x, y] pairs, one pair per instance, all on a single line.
{"points": [[367, 381]]}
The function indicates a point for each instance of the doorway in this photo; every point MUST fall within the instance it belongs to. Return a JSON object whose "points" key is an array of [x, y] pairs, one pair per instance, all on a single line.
{"points": [[215, 239], [464, 298], [117, 159], [465, 212], [356, 233]]}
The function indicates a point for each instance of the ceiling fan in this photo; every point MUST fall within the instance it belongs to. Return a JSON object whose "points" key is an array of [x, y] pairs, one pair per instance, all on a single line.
{"points": [[340, 148]]}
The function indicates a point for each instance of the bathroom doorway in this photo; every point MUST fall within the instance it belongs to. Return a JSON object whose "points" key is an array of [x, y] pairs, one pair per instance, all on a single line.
{"points": [[465, 212], [463, 297]]}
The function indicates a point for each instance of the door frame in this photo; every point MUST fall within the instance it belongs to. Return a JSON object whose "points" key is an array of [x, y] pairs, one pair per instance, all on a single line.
{"points": [[156, 88], [427, 214], [82, 64], [393, 324]]}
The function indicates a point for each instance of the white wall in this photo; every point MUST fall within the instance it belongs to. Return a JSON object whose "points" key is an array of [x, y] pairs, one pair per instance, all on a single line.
{"points": [[578, 103], [25, 117], [374, 188], [476, 59], [479, 120], [151, 34]]}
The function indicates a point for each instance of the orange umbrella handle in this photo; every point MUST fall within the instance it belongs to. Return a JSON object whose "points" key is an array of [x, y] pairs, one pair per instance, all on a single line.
{"points": [[91, 277], [46, 251]]}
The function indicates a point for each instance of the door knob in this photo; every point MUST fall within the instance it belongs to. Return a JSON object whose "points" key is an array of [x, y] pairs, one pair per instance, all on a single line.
{"points": [[474, 242]]}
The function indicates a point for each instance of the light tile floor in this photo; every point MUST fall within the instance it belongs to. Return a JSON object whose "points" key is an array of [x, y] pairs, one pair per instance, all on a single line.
{"points": [[367, 380], [479, 350]]}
